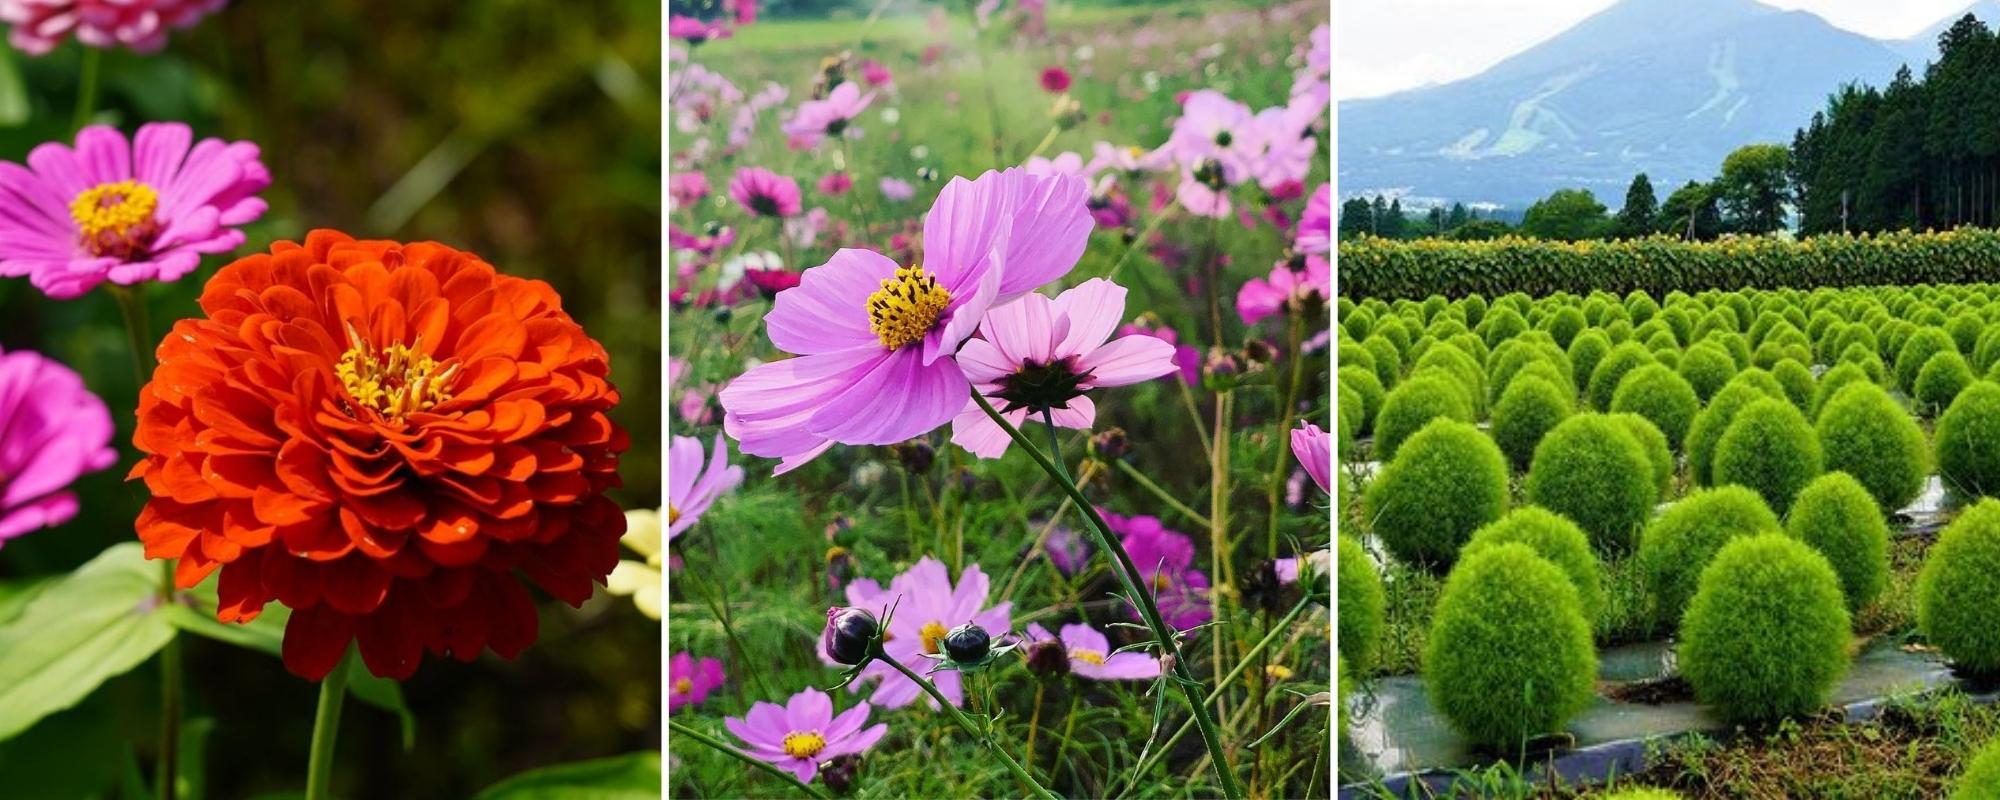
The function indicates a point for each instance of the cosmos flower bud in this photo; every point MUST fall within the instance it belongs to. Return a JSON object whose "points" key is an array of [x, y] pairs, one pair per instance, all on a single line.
{"points": [[850, 635], [967, 644], [1258, 351], [839, 567], [1048, 659], [916, 456], [839, 773], [1111, 444], [1221, 371]]}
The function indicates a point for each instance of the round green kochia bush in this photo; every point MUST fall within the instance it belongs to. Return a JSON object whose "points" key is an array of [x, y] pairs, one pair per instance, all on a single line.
{"points": [[1707, 367], [1981, 779], [1940, 381], [1509, 656], [1839, 377], [1797, 381], [1654, 444], [1369, 387], [1660, 395], [1837, 516], [1771, 448], [1765, 636], [1500, 325], [1527, 411], [1446, 482], [1968, 441], [1604, 379], [1747, 387], [1916, 351], [1674, 548], [1864, 433], [1553, 537], [1588, 348], [1958, 591], [1592, 470], [1459, 366], [1412, 405], [1388, 358], [1362, 602]]}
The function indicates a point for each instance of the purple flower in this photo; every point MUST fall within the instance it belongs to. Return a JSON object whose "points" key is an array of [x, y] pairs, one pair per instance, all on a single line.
{"points": [[875, 339], [1316, 224], [690, 487], [138, 25], [1314, 450], [1262, 297], [1040, 353], [55, 431], [764, 193], [927, 607], [804, 733], [1067, 550], [896, 189], [125, 212], [1090, 655], [875, 73], [1165, 560], [688, 682], [829, 117]]}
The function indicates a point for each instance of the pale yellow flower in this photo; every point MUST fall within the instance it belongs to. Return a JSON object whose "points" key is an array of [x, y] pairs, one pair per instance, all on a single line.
{"points": [[640, 579]]}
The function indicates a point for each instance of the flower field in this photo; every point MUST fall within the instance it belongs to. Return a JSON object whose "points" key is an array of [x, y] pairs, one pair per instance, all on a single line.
{"points": [[1706, 516], [998, 461]]}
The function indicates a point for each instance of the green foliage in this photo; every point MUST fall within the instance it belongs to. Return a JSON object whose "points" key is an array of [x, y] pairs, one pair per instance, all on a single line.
{"points": [[87, 627], [1839, 377], [1839, 518], [1754, 187], [1591, 469], [1412, 405], [1445, 482], [628, 777], [1958, 592], [1509, 655], [1567, 215], [1552, 537], [1706, 367], [1864, 433], [1654, 444], [1362, 603], [1527, 410], [1369, 389], [1771, 448], [1796, 379], [1713, 421], [1766, 634], [1588, 348], [1981, 779], [1675, 547], [1604, 379], [1968, 441], [1941, 379], [1660, 395], [1916, 351]]}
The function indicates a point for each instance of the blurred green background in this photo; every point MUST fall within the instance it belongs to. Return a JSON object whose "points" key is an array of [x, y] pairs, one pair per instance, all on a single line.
{"points": [[526, 131]]}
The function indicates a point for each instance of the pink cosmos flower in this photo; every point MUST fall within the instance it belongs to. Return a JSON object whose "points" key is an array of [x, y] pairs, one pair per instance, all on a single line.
{"points": [[685, 189], [701, 243], [765, 193], [688, 682], [1067, 549], [125, 212], [55, 431], [896, 189], [1090, 655], [1314, 449], [1055, 80], [1261, 297], [744, 11], [695, 31], [1165, 560], [1213, 127], [927, 606], [1187, 359], [804, 229], [875, 73], [804, 733], [692, 488], [828, 117], [137, 25], [875, 339], [835, 184], [1203, 194], [1040, 353], [1278, 150], [1316, 223], [1062, 164]]}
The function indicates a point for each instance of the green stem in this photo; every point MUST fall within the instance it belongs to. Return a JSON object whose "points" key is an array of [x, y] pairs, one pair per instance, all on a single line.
{"points": [[1137, 242], [326, 725], [972, 730], [132, 309], [1128, 576], [86, 89], [1046, 141], [721, 611], [1281, 435], [681, 729], [1164, 496]]}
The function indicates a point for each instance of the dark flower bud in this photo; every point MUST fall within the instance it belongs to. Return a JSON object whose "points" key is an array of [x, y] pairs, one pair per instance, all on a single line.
{"points": [[967, 644], [1221, 370], [1264, 591], [839, 567], [1111, 444], [1129, 234], [839, 773], [713, 228], [916, 456], [1048, 659], [1258, 351], [723, 315], [850, 633]]}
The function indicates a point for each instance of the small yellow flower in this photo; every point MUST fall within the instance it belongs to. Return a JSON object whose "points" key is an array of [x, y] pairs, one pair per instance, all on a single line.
{"points": [[640, 579]]}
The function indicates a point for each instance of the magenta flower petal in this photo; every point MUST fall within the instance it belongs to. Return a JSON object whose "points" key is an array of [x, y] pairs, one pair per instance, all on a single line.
{"points": [[1314, 449], [1046, 216], [691, 487], [55, 431], [767, 407], [137, 25], [804, 733], [899, 399], [818, 315]]}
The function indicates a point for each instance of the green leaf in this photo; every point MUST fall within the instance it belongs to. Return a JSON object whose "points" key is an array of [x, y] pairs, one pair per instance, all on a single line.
{"points": [[91, 625], [635, 776], [16, 594], [14, 106], [71, 754]]}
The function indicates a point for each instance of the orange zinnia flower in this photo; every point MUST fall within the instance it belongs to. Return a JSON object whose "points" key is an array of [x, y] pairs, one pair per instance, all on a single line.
{"points": [[381, 437]]}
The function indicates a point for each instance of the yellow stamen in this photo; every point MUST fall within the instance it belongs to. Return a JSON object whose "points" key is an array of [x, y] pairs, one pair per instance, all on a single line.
{"points": [[906, 307], [673, 514], [933, 632], [1088, 656], [398, 380], [804, 744], [1161, 582], [683, 686], [1278, 672], [115, 219]]}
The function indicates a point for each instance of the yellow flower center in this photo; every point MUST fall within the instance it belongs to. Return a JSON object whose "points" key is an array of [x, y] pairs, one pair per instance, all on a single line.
{"points": [[115, 219], [932, 633], [673, 514], [1161, 582], [804, 744], [396, 381], [683, 686], [906, 307], [1087, 656]]}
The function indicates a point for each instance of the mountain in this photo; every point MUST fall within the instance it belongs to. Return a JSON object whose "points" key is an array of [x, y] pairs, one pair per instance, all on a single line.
{"points": [[1666, 87], [1922, 47]]}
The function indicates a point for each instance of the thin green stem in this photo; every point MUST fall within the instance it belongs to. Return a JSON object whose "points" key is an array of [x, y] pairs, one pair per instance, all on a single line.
{"points": [[1137, 242], [713, 743], [1164, 495], [1046, 141], [132, 309], [1280, 435], [971, 729], [326, 726], [86, 88], [1128, 576], [721, 611]]}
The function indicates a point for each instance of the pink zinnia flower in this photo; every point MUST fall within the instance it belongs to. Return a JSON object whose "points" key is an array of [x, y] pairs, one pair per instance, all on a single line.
{"points": [[1090, 655], [1314, 449], [687, 188], [138, 25], [692, 488], [1316, 224], [1260, 298], [125, 212], [1165, 560], [804, 733], [1055, 80], [765, 193], [1041, 354], [927, 606], [896, 189], [835, 184], [55, 432], [688, 682], [829, 117], [875, 339], [875, 73]]}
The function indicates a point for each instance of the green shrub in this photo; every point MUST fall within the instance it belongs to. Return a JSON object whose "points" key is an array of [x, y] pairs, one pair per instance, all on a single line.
{"points": [[1864, 433], [1588, 348], [1839, 518], [1527, 411], [1388, 357], [1509, 656], [1362, 602], [1981, 779], [1839, 377], [1867, 360], [1592, 470], [1553, 537], [1445, 482], [1916, 351], [1411, 406], [1797, 381], [1765, 636], [1707, 367], [1958, 591], [1564, 324], [1347, 424], [1713, 421], [1369, 388], [1604, 379], [1771, 448], [1968, 441], [1940, 381], [1674, 548], [1654, 444], [1459, 366], [1663, 397], [1500, 325]]}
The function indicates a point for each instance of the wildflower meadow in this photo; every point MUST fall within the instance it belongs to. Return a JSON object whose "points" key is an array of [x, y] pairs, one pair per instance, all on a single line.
{"points": [[998, 412]]}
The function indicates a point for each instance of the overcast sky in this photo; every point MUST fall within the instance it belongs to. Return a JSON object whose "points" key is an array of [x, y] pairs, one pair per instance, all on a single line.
{"points": [[1381, 47]]}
